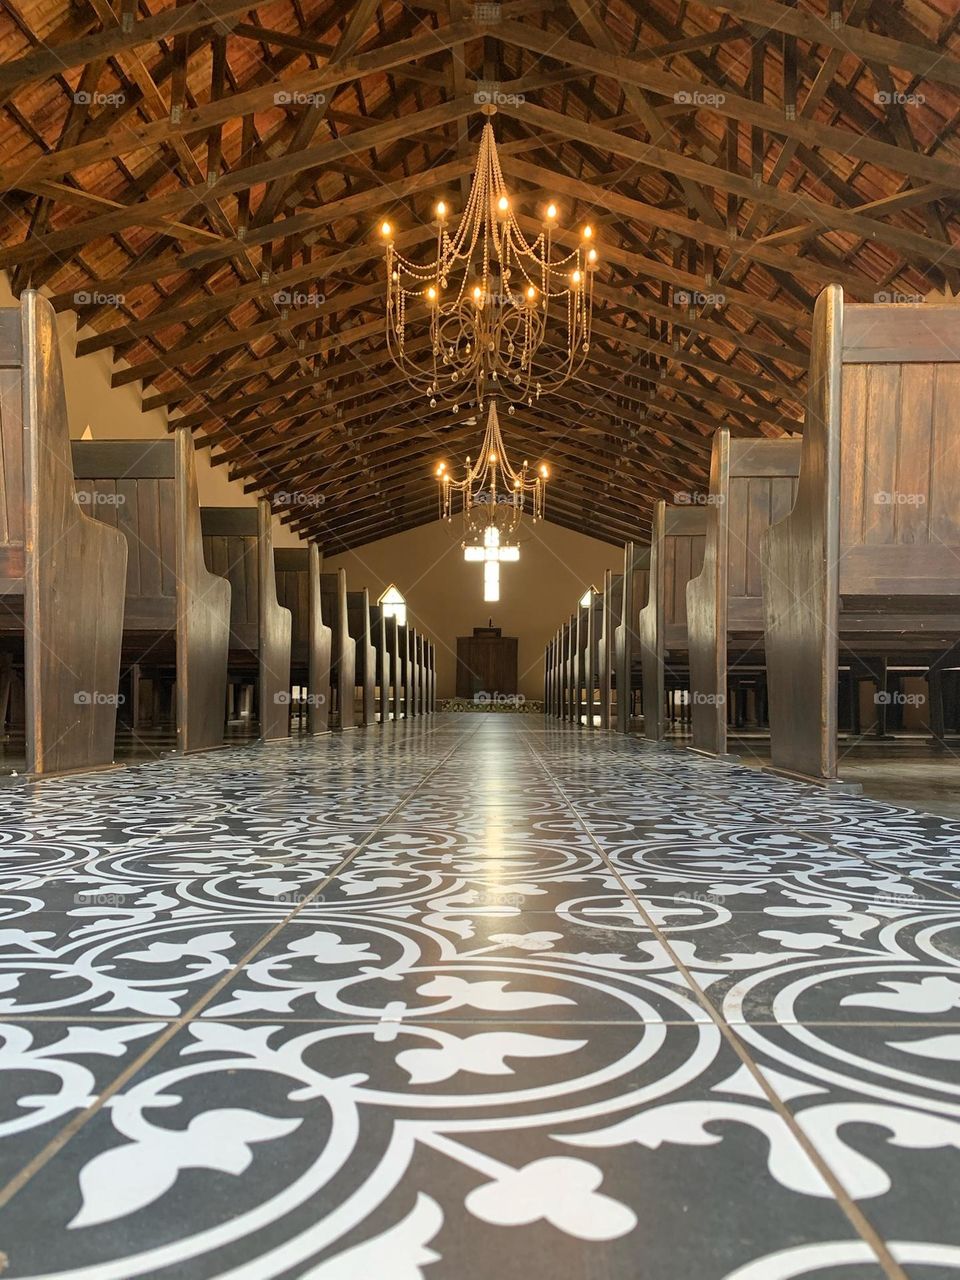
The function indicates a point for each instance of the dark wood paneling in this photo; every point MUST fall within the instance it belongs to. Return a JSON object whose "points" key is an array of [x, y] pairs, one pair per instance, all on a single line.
{"points": [[123, 459], [234, 556], [486, 664]]}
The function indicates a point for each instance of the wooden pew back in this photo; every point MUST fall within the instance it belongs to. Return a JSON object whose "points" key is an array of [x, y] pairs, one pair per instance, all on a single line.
{"points": [[148, 490], [62, 574], [899, 473], [882, 383], [635, 590], [753, 484], [230, 549], [333, 591], [612, 614], [298, 590], [676, 554]]}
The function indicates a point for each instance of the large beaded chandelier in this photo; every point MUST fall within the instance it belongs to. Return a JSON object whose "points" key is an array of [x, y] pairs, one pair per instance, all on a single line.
{"points": [[493, 496], [489, 300]]}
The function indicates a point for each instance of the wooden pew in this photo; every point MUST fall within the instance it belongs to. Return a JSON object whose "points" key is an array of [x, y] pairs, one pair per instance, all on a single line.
{"points": [[676, 555], [365, 665], [62, 573], [753, 484], [176, 613], [558, 672], [404, 690], [333, 590], [868, 560], [548, 677], [636, 573], [430, 678], [570, 673], [383, 634], [416, 674], [589, 624], [606, 661], [298, 589], [238, 545]]}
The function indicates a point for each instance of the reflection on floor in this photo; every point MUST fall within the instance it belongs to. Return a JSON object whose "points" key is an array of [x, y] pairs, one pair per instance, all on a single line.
{"points": [[475, 997], [132, 746]]}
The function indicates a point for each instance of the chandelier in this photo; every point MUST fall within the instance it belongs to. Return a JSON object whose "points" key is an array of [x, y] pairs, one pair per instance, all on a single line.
{"points": [[493, 497], [485, 301]]}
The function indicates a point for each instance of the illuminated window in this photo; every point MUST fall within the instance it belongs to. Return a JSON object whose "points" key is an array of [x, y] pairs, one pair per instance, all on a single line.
{"points": [[394, 605]]}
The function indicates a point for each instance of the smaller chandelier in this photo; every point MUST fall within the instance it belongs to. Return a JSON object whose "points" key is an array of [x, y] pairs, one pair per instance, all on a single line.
{"points": [[478, 314], [493, 500]]}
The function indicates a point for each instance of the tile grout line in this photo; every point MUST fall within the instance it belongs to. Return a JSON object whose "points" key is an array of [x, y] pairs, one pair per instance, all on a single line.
{"points": [[952, 895], [55, 1144], [854, 1214]]}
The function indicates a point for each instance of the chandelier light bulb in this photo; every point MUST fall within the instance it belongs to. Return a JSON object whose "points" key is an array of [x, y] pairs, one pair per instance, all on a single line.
{"points": [[477, 294], [551, 211], [493, 457], [588, 232], [441, 209], [543, 470], [575, 277], [503, 204], [432, 294], [592, 258], [386, 230]]}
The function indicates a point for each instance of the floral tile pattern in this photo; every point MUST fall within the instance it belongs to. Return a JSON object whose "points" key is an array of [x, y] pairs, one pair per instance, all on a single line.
{"points": [[475, 997]]}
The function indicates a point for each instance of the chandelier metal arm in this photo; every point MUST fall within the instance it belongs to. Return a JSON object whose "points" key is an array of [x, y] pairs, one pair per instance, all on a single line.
{"points": [[486, 297]]}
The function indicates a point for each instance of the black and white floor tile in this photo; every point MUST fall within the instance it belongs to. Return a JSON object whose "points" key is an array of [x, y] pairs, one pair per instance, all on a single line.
{"points": [[475, 997]]}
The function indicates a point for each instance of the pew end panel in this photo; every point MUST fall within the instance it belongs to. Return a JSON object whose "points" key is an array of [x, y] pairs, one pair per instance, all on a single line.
{"points": [[365, 653], [612, 609], [676, 554], [320, 640], [853, 571], [298, 589], [635, 593], [203, 618], [752, 485], [344, 679], [275, 627], [70, 568]]}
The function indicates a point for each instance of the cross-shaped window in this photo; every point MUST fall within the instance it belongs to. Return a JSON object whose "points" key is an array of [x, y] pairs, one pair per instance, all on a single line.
{"points": [[491, 555]]}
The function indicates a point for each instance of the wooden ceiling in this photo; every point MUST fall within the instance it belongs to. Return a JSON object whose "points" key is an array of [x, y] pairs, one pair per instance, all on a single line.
{"points": [[202, 183]]}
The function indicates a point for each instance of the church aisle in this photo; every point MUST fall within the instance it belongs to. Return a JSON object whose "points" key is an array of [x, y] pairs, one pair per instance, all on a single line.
{"points": [[442, 998]]}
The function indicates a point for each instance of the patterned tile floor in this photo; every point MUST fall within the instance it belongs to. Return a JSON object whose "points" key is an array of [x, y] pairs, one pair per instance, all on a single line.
{"points": [[475, 997]]}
